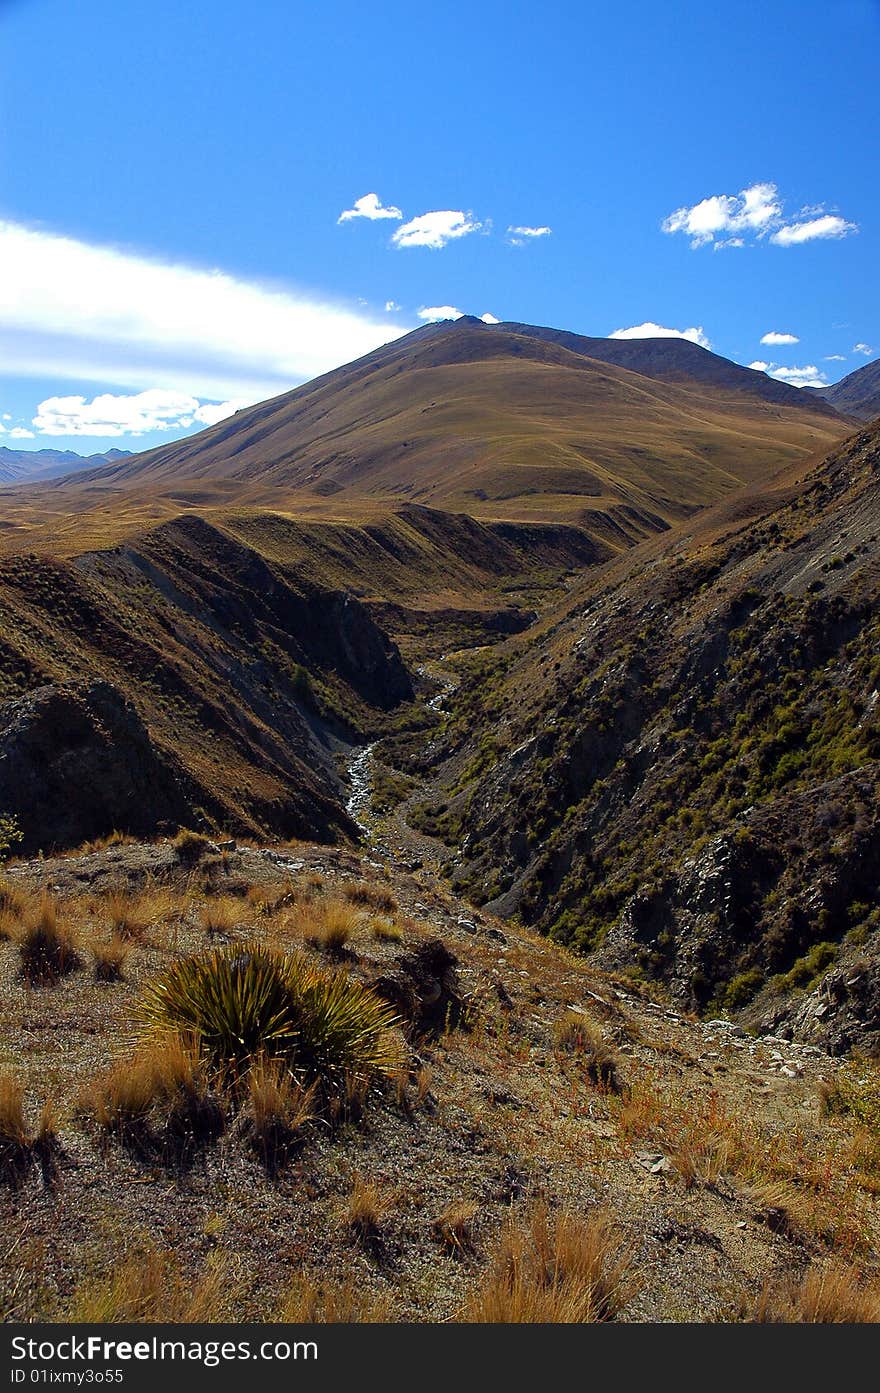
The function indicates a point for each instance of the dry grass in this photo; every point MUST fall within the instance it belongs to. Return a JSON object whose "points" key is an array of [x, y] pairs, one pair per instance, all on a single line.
{"points": [[152, 1287], [277, 1110], [366, 1207], [454, 1227], [377, 897], [165, 1076], [829, 1295], [563, 1269], [268, 899], [130, 915], [110, 959], [314, 1302], [13, 1128], [13, 900], [47, 945], [221, 916], [576, 1034], [329, 925], [191, 847]]}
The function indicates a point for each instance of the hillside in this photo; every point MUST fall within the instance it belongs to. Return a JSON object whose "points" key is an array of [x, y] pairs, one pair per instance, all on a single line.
{"points": [[542, 1143], [678, 772], [501, 422], [28, 466], [857, 394]]}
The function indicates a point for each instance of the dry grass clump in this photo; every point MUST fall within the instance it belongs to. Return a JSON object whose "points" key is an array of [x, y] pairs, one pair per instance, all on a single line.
{"points": [[18, 1148], [110, 959], [163, 1084], [829, 1295], [222, 915], [454, 1227], [377, 897], [576, 1034], [151, 1287], [328, 925], [47, 945], [278, 1107], [311, 1301], [268, 899], [386, 931], [129, 915], [13, 900], [561, 1270], [366, 1207], [190, 847]]}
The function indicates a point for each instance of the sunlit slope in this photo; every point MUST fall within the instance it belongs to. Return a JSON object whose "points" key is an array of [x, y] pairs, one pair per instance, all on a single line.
{"points": [[499, 423]]}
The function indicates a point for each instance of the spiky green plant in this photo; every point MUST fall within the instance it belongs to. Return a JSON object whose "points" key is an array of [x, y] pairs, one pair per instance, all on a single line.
{"points": [[243, 1005]]}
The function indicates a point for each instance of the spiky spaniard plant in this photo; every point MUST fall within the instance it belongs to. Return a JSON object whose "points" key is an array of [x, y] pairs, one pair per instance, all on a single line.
{"points": [[241, 1005]]}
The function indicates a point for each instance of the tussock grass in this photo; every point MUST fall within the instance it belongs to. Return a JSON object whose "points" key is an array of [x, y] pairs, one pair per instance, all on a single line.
{"points": [[150, 1287], [18, 1147], [190, 847], [328, 925], [110, 959], [311, 1301], [574, 1033], [47, 945], [277, 1110], [164, 1082], [454, 1227], [368, 896], [129, 915], [221, 916], [562, 1269], [13, 900], [386, 931], [828, 1295], [366, 1207]]}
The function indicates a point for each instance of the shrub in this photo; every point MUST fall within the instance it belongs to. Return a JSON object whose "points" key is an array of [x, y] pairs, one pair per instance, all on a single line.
{"points": [[855, 1090], [561, 1270], [240, 1006], [47, 946], [10, 834]]}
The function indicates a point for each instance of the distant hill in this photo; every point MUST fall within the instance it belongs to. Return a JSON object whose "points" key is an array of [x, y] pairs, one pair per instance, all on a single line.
{"points": [[26, 466], [857, 394], [505, 422]]}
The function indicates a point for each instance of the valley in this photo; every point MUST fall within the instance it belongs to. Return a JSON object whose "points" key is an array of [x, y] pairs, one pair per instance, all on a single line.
{"points": [[522, 690]]}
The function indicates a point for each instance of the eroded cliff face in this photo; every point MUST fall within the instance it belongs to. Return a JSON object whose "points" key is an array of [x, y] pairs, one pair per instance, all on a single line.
{"points": [[212, 684], [681, 774]]}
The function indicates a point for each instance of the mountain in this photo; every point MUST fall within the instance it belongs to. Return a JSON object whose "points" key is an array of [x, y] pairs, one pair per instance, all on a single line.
{"points": [[27, 466], [503, 422], [678, 770], [857, 394]]}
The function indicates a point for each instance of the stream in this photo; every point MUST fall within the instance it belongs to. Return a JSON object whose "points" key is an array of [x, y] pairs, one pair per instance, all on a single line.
{"points": [[360, 766]]}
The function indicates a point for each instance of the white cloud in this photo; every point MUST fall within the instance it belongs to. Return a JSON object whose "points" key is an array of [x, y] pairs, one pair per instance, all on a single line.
{"points": [[725, 220], [435, 229], [432, 313], [835, 358], [488, 318], [774, 339], [391, 307], [529, 231], [20, 433], [809, 376], [649, 330], [83, 312], [370, 206], [749, 211], [863, 348], [829, 225], [135, 414]]}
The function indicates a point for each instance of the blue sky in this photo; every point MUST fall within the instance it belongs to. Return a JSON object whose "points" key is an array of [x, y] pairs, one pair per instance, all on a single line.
{"points": [[172, 178]]}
